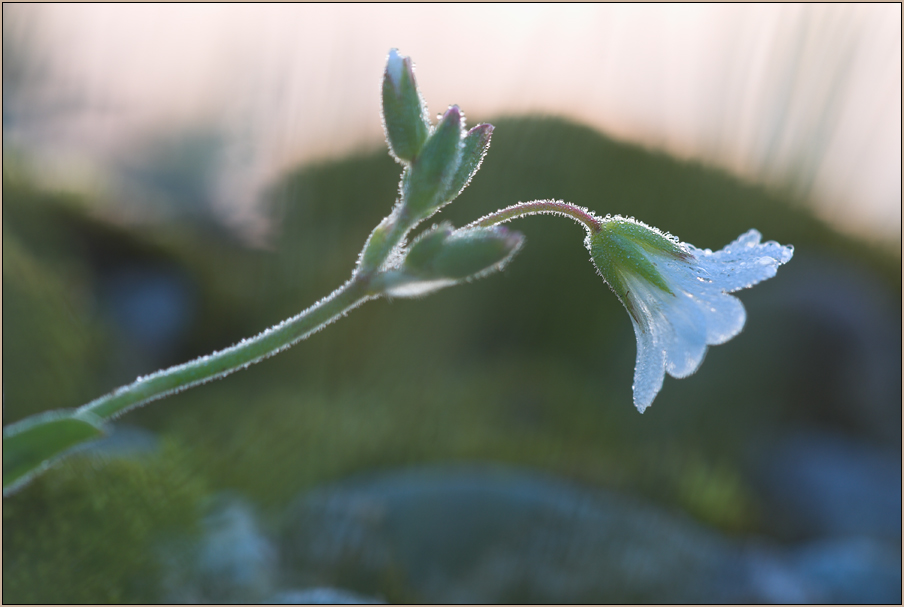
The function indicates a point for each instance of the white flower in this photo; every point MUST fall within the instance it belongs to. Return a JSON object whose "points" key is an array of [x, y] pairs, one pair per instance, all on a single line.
{"points": [[678, 295]]}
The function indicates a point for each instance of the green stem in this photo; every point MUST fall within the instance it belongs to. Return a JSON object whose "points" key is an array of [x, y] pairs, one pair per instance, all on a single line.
{"points": [[249, 351], [549, 207], [275, 339]]}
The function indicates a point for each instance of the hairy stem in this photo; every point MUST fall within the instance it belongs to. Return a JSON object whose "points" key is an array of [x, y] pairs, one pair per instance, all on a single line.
{"points": [[247, 352], [549, 207]]}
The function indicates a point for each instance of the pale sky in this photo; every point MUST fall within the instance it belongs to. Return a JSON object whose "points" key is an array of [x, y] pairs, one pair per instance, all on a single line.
{"points": [[765, 91]]}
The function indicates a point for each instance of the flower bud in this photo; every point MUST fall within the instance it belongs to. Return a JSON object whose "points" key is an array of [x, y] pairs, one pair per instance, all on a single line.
{"points": [[474, 147], [475, 252], [425, 248], [425, 185], [378, 245], [441, 257], [404, 113]]}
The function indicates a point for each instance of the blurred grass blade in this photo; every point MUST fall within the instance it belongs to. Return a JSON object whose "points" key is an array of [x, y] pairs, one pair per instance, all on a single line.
{"points": [[32, 445]]}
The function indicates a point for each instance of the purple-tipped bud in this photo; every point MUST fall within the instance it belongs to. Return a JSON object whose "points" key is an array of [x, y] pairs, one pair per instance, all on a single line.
{"points": [[473, 148], [427, 187]]}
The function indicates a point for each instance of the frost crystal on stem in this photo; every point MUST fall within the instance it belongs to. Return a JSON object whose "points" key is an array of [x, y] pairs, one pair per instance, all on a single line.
{"points": [[678, 295]]}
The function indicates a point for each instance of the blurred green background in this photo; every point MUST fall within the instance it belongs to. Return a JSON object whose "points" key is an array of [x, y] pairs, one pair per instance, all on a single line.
{"points": [[531, 367]]}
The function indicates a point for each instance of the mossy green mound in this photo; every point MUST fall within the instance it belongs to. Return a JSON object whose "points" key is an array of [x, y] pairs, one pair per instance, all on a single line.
{"points": [[93, 529]]}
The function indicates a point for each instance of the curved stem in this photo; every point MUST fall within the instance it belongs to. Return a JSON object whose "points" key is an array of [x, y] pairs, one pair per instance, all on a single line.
{"points": [[279, 337], [550, 207], [248, 351]]}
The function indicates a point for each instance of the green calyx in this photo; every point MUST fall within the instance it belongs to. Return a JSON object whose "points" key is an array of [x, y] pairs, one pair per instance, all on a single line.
{"points": [[622, 248]]}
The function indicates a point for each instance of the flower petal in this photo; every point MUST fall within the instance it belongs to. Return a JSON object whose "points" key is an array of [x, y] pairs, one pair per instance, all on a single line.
{"points": [[723, 314], [686, 343], [649, 368], [742, 263], [725, 317]]}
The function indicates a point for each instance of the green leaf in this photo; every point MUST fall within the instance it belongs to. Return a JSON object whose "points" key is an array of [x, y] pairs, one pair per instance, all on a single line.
{"points": [[33, 444]]}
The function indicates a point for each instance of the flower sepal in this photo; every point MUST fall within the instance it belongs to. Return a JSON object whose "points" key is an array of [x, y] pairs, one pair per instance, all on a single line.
{"points": [[624, 248]]}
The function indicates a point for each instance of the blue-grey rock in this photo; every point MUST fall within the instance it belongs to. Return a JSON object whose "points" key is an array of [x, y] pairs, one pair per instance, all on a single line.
{"points": [[818, 484], [151, 305], [844, 570], [838, 343], [236, 559], [491, 535], [850, 570], [321, 596], [233, 562], [122, 440]]}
